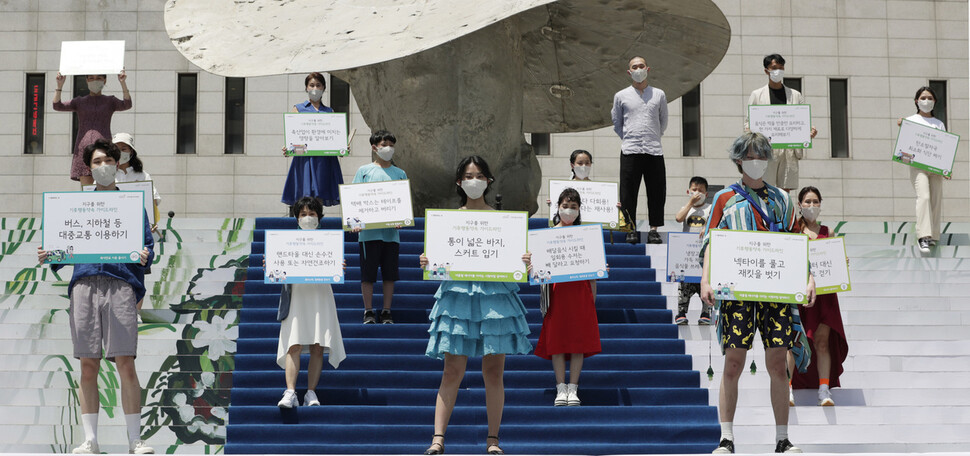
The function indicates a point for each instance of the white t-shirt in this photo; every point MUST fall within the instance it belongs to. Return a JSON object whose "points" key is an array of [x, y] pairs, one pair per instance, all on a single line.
{"points": [[928, 121], [134, 176], [697, 218]]}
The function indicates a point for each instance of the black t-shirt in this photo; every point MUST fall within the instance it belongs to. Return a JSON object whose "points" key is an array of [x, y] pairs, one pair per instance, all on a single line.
{"points": [[778, 95]]}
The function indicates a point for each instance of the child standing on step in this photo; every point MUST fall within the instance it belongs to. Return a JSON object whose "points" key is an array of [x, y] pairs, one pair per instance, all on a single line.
{"points": [[823, 321], [569, 329], [308, 321], [381, 247], [694, 216], [484, 319]]}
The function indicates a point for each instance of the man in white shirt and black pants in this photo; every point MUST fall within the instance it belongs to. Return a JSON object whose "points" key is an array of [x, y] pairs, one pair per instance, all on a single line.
{"points": [[640, 119]]}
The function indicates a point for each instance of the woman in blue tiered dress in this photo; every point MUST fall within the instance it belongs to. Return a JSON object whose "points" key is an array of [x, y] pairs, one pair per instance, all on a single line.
{"points": [[484, 319], [313, 176]]}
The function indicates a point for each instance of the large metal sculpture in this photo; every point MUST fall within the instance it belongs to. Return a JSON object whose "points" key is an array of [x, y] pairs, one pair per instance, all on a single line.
{"points": [[453, 78]]}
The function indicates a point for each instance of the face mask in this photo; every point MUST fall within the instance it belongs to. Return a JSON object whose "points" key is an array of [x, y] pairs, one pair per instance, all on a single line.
{"points": [[315, 94], [385, 153], [104, 175], [581, 172], [701, 202], [811, 212], [125, 156], [639, 75], [926, 105], [474, 188], [776, 76], [95, 86], [308, 223], [754, 168], [568, 216]]}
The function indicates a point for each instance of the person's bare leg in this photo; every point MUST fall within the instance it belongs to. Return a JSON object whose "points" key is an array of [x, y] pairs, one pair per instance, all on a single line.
{"points": [[88, 397], [728, 397], [367, 293], [775, 360], [130, 388], [388, 294], [451, 376], [823, 355], [575, 367], [292, 366], [559, 367], [314, 367], [493, 373]]}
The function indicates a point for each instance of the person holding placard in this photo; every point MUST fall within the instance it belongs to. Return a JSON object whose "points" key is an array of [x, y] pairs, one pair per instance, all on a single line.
{"points": [[103, 317], [823, 321], [783, 167], [640, 118], [570, 329], [313, 176], [693, 215], [308, 322], [752, 205], [379, 248], [131, 169], [580, 164], [928, 186], [484, 319], [94, 112]]}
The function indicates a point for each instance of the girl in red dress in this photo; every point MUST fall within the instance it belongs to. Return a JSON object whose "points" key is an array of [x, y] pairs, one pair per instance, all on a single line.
{"points": [[822, 322], [569, 329]]}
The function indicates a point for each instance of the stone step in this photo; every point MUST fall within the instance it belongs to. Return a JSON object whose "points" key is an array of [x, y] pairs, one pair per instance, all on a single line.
{"points": [[200, 447], [839, 438], [698, 343], [851, 301], [887, 364], [112, 436], [63, 397]]}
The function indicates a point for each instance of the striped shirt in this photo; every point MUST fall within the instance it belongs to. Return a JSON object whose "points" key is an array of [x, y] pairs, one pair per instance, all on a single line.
{"points": [[731, 211]]}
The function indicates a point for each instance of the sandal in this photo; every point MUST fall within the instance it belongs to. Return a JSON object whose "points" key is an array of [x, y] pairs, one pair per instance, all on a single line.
{"points": [[488, 448], [436, 447]]}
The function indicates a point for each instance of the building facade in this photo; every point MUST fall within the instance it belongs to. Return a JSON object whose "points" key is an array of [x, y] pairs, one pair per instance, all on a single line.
{"points": [[213, 144]]}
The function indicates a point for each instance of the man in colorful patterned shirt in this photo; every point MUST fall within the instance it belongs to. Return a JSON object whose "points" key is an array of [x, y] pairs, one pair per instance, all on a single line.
{"points": [[735, 208]]}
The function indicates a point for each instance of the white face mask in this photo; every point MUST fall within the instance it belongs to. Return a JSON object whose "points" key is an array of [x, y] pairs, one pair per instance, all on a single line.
{"points": [[474, 188], [754, 169], [315, 94], [308, 223], [776, 76], [811, 212], [95, 86], [125, 157], [104, 175], [926, 105], [581, 172], [699, 203], [385, 152], [568, 216], [639, 75]]}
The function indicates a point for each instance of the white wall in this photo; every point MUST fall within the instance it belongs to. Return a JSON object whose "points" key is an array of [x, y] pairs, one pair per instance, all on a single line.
{"points": [[885, 48]]}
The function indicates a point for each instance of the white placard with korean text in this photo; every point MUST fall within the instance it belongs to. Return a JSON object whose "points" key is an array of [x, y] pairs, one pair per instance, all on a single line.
{"points": [[786, 126], [759, 266], [829, 266], [598, 201], [92, 57], [375, 205], [304, 256], [475, 245], [136, 186], [926, 148], [93, 227], [683, 251], [308, 134], [567, 254]]}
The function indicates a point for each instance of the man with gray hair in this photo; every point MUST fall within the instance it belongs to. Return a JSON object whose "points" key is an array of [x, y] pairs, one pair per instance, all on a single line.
{"points": [[752, 205]]}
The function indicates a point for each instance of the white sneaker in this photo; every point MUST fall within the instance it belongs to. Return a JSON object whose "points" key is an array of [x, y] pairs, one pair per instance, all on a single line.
{"points": [[791, 397], [571, 398], [560, 395], [825, 396], [88, 447], [310, 398], [139, 447], [289, 400]]}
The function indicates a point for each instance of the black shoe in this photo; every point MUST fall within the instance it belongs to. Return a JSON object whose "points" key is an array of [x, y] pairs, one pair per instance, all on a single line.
{"points": [[386, 317], [633, 237], [784, 446], [653, 237], [369, 317], [725, 447], [925, 244], [436, 447]]}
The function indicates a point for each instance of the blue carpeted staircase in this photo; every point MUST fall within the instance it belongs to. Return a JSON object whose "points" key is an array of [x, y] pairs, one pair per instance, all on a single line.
{"points": [[639, 396]]}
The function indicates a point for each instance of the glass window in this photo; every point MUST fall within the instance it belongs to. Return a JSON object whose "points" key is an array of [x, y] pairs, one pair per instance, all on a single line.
{"points": [[540, 143], [186, 118], [79, 89], [34, 114], [340, 96], [939, 109], [794, 83], [691, 122], [235, 123], [839, 112]]}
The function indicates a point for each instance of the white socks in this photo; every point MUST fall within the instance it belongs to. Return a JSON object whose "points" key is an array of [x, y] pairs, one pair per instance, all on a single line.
{"points": [[90, 423], [134, 426], [781, 432], [727, 430]]}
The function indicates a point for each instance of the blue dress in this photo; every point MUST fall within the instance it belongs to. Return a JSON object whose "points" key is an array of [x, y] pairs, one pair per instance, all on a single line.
{"points": [[313, 176], [477, 319]]}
